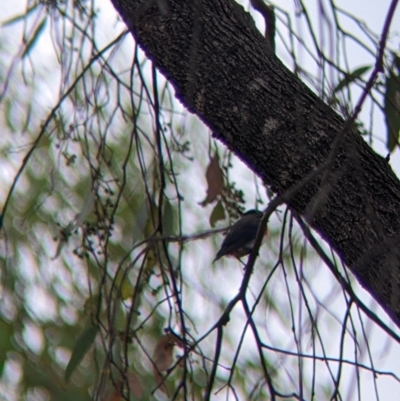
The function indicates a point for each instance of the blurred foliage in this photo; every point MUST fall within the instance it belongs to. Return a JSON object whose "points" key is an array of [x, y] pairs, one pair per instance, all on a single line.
{"points": [[107, 286]]}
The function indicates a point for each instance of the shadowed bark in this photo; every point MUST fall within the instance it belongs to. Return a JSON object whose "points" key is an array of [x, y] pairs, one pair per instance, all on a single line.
{"points": [[223, 71]]}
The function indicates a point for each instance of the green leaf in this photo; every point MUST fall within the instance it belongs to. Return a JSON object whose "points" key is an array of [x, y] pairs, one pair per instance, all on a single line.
{"points": [[92, 304], [349, 78], [123, 284], [217, 214], [6, 344], [169, 221], [396, 62], [82, 345], [270, 25], [392, 110], [20, 17], [35, 36]]}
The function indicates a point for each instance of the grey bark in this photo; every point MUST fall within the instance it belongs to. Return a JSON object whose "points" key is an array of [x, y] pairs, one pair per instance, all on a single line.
{"points": [[222, 69]]}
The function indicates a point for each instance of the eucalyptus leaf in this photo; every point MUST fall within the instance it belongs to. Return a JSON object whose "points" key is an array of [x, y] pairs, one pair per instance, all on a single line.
{"points": [[34, 38], [392, 110], [82, 346], [217, 214], [349, 78]]}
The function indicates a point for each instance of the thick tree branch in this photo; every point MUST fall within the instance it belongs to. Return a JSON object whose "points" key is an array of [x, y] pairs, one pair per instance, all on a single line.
{"points": [[224, 71]]}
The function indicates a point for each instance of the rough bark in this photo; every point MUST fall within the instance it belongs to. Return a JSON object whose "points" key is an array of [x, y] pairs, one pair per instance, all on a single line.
{"points": [[223, 71]]}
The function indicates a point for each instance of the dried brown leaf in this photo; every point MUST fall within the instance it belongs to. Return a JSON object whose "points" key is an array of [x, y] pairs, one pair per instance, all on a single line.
{"points": [[160, 381], [135, 388], [134, 385], [114, 396], [215, 181], [162, 358]]}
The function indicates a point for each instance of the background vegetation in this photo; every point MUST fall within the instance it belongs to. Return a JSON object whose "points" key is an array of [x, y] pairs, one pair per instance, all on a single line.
{"points": [[114, 200]]}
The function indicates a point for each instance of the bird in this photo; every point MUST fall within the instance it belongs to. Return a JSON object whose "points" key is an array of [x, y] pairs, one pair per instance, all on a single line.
{"points": [[242, 235]]}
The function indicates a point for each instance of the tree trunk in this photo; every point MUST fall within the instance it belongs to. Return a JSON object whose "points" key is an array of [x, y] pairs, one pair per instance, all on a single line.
{"points": [[223, 71]]}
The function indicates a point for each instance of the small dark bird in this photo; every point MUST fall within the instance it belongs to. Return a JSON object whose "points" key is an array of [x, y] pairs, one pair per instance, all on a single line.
{"points": [[242, 235]]}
